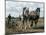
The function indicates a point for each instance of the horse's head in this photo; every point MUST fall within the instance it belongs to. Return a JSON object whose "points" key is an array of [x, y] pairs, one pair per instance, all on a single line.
{"points": [[24, 8], [38, 11], [26, 11]]}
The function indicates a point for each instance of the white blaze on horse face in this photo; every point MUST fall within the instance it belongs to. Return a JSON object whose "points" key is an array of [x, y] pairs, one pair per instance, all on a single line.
{"points": [[33, 13]]}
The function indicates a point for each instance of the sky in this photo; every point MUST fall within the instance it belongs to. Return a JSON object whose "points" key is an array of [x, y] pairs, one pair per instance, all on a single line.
{"points": [[16, 8]]}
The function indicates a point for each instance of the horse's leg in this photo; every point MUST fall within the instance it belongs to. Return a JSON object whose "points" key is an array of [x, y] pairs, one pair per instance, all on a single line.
{"points": [[31, 23], [29, 19], [36, 22], [26, 19], [23, 20]]}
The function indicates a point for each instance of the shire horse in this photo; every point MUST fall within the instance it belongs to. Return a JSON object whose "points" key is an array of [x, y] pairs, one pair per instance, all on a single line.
{"points": [[33, 16], [25, 14]]}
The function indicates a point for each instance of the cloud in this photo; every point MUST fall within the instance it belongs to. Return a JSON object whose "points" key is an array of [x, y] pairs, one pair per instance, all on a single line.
{"points": [[16, 8]]}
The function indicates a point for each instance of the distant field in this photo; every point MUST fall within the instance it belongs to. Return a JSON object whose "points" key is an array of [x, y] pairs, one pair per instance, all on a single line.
{"points": [[20, 28]]}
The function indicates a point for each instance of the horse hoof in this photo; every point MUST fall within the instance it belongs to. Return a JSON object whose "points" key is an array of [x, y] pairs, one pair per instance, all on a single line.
{"points": [[31, 25]]}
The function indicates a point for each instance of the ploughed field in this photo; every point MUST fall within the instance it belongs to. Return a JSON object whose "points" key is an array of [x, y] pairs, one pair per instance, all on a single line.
{"points": [[18, 27]]}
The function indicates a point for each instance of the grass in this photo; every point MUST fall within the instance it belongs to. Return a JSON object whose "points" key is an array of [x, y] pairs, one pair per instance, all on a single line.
{"points": [[26, 28]]}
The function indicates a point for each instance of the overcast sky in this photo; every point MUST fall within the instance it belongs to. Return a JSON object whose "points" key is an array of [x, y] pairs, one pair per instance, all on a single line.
{"points": [[16, 8]]}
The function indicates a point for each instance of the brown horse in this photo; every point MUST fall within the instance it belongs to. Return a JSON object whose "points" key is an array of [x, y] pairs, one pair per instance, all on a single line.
{"points": [[25, 14], [32, 16]]}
